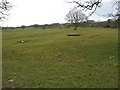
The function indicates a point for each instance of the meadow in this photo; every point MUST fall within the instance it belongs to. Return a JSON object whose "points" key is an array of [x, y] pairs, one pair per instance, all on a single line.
{"points": [[49, 58]]}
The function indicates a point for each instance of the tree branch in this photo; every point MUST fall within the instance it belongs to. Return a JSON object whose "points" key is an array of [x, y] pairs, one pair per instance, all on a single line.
{"points": [[88, 5], [4, 7]]}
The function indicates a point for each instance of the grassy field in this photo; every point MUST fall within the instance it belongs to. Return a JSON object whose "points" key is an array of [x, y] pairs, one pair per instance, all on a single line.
{"points": [[51, 59]]}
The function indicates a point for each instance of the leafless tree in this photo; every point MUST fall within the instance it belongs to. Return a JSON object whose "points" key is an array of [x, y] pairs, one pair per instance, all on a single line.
{"points": [[116, 14], [92, 5], [5, 6], [86, 5], [75, 17]]}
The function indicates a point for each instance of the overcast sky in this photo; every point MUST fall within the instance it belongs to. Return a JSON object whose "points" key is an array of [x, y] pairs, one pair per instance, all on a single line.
{"points": [[29, 12]]}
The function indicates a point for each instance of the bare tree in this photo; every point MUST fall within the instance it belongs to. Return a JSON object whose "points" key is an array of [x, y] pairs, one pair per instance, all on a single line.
{"points": [[118, 13], [86, 5], [5, 6], [92, 5], [75, 17]]}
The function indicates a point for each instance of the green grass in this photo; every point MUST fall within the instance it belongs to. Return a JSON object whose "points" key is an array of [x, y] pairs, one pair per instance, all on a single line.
{"points": [[51, 59]]}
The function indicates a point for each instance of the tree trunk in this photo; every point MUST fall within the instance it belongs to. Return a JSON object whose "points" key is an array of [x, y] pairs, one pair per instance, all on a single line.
{"points": [[75, 27], [118, 21]]}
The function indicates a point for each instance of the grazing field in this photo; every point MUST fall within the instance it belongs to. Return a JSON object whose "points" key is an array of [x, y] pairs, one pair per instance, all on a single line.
{"points": [[48, 58]]}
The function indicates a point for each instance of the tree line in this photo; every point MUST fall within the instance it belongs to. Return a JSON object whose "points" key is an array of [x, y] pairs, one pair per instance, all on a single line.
{"points": [[110, 23]]}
